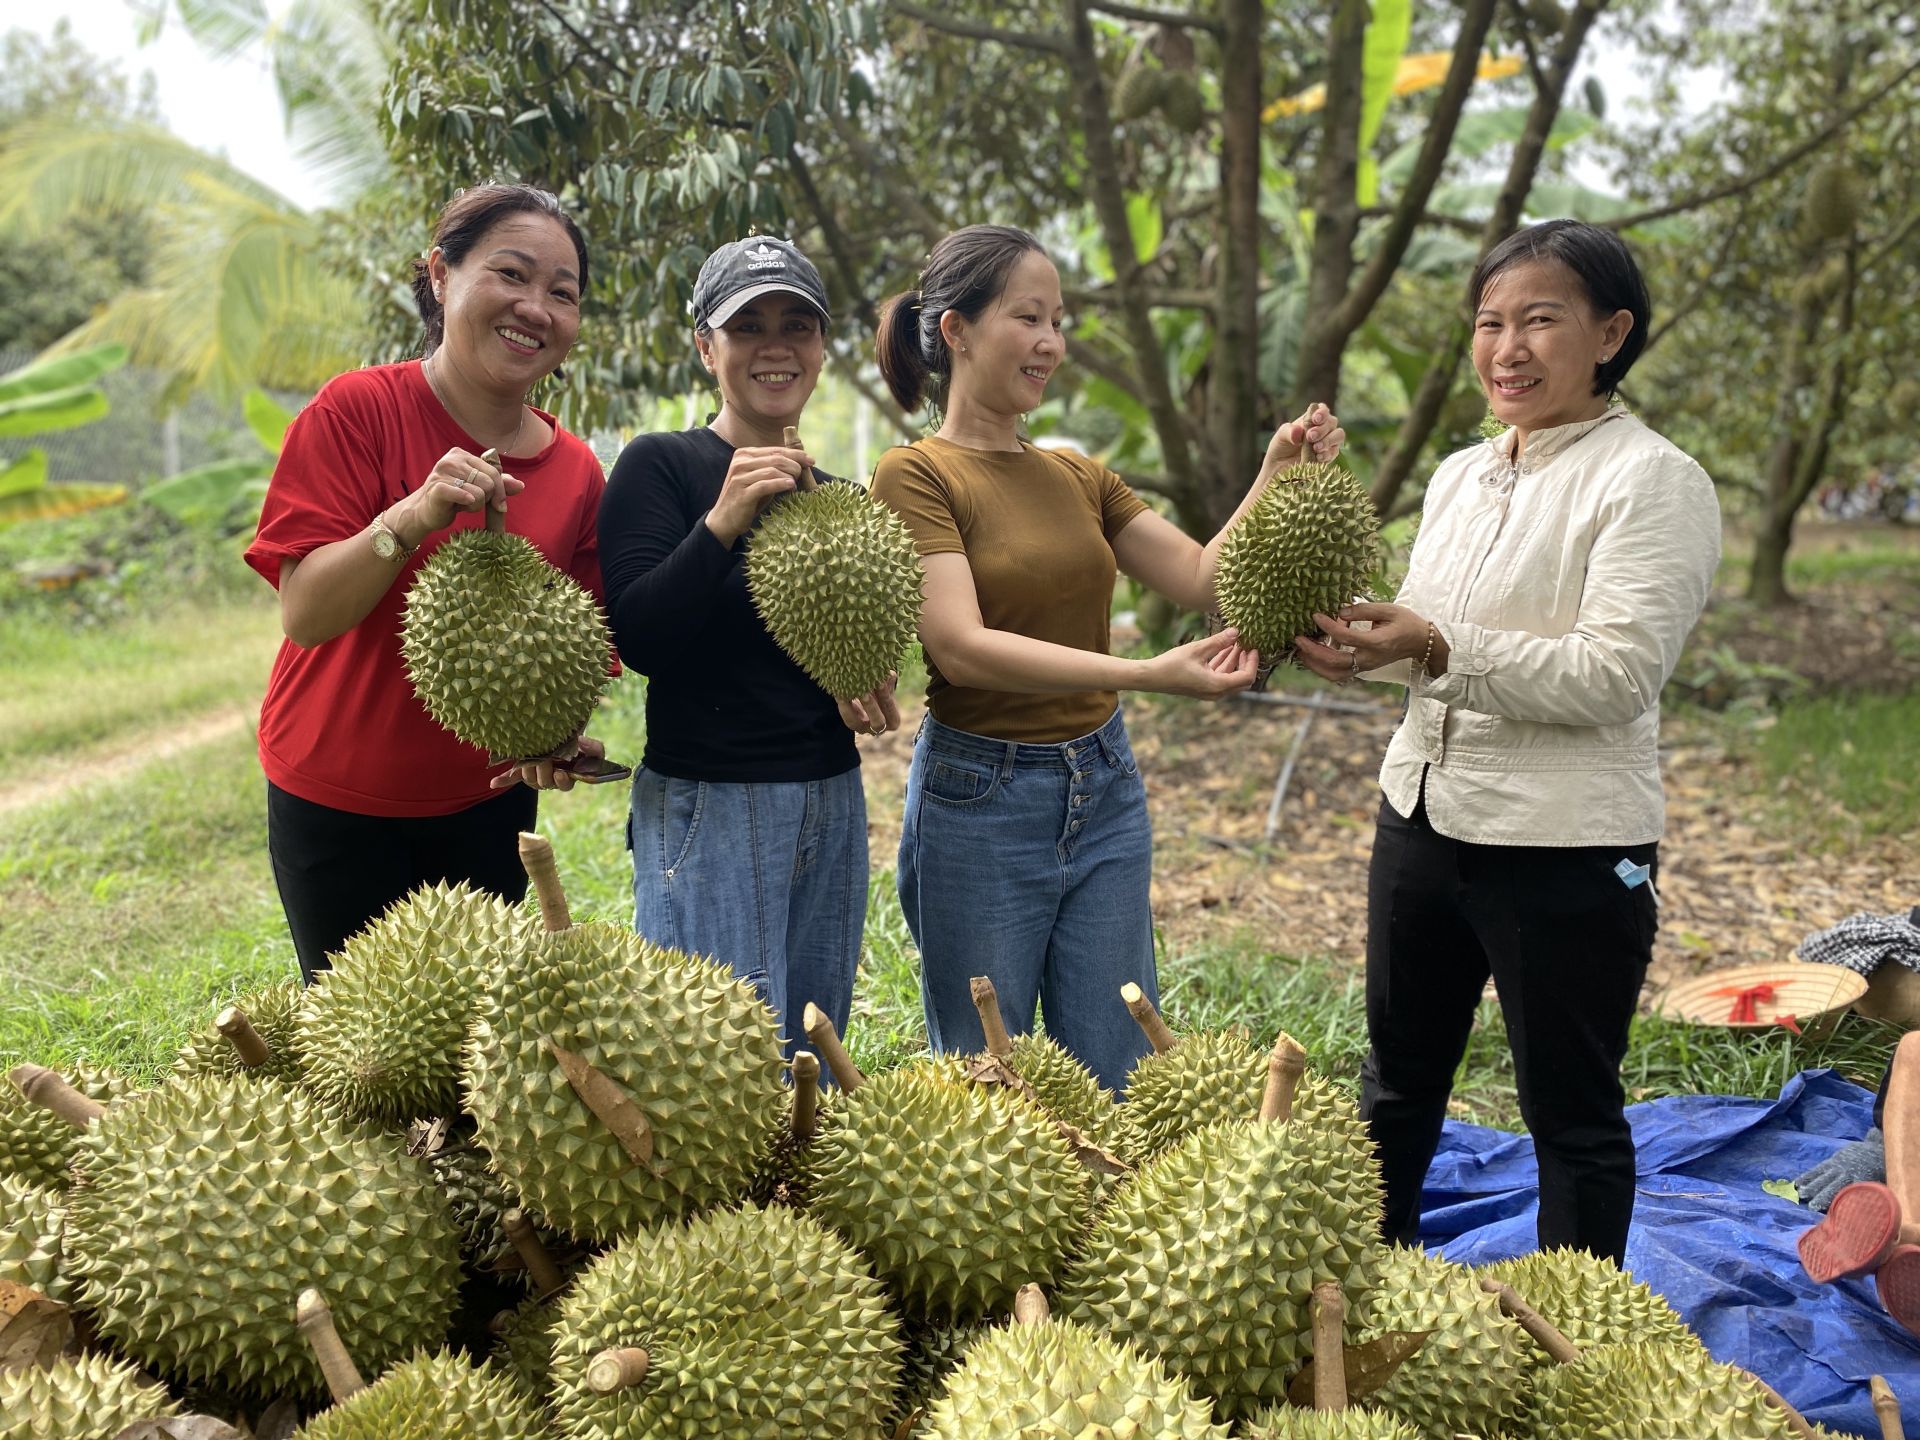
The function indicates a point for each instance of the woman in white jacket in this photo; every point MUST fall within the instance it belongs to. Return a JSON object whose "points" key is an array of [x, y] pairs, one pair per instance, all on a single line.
{"points": [[1558, 571]]}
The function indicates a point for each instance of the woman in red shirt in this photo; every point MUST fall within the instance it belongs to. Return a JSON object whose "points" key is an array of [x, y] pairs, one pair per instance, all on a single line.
{"points": [[367, 796]]}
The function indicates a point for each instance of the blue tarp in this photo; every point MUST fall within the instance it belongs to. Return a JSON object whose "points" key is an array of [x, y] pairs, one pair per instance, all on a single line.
{"points": [[1706, 1236]]}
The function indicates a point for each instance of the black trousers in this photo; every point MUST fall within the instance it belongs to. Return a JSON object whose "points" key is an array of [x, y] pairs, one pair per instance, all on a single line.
{"points": [[337, 870], [1567, 944]]}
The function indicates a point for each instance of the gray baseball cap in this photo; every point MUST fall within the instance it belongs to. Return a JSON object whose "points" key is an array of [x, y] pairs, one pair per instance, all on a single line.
{"points": [[746, 269]]}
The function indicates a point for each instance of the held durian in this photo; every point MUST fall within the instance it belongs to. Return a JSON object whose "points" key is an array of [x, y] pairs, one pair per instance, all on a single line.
{"points": [[78, 1397], [1058, 1380], [1473, 1373], [269, 1012], [380, 1033], [750, 1324], [31, 1220], [432, 1397], [1630, 1392], [1283, 1422], [36, 1144], [834, 575], [1307, 545], [684, 1058], [1591, 1301], [1239, 1221], [506, 651], [202, 1208]]}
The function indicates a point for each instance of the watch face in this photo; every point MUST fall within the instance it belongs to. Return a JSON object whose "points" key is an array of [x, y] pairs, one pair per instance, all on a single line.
{"points": [[384, 545]]}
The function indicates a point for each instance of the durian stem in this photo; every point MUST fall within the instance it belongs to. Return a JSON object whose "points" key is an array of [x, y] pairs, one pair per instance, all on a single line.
{"points": [[1329, 1347], [496, 514], [827, 1041], [1796, 1422], [806, 1094], [528, 1246], [790, 437], [621, 1368], [1562, 1350], [51, 1091], [1286, 1063], [315, 1319], [536, 854], [1030, 1306], [233, 1023], [987, 1002], [1148, 1018], [1886, 1409], [611, 1105]]}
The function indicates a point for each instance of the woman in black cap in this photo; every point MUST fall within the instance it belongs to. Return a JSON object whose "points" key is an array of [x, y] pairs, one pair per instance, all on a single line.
{"points": [[749, 825]]}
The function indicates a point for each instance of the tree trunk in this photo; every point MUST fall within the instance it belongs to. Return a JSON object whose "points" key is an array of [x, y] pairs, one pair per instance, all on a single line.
{"points": [[1336, 217], [1233, 393]]}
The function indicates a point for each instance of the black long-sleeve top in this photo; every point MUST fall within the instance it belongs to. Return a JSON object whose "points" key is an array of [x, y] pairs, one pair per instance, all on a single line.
{"points": [[724, 702]]}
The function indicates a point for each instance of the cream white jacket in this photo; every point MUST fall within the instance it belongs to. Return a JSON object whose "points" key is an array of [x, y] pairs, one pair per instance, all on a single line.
{"points": [[1565, 586]]}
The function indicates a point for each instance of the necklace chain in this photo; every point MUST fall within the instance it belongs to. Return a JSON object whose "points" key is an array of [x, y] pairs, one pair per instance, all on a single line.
{"points": [[511, 447]]}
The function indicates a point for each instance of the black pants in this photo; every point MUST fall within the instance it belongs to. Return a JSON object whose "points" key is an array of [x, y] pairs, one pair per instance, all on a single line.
{"points": [[337, 870], [1567, 944]]}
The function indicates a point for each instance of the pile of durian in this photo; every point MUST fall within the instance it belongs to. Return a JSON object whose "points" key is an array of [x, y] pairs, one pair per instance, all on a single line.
{"points": [[500, 1175]]}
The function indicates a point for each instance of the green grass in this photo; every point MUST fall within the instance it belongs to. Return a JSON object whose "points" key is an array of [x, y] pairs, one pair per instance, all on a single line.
{"points": [[70, 688], [1843, 769], [1823, 557]]}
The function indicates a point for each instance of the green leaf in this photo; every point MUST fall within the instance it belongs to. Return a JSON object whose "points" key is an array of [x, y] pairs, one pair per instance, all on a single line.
{"points": [[1144, 222], [62, 372], [1785, 1189], [1409, 365], [1482, 130], [1386, 41], [205, 495], [267, 418], [29, 472], [58, 410]]}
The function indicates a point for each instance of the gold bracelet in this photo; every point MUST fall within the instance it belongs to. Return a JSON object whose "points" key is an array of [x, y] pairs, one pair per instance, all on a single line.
{"points": [[1427, 654]]}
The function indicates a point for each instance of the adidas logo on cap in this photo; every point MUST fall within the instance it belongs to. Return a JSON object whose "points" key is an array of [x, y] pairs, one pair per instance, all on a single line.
{"points": [[765, 257]]}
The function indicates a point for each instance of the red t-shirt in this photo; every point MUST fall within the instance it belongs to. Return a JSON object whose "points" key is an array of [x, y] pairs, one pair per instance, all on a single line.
{"points": [[341, 725]]}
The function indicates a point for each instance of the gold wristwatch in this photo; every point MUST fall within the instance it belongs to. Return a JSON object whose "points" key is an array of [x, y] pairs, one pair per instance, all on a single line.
{"points": [[387, 544]]}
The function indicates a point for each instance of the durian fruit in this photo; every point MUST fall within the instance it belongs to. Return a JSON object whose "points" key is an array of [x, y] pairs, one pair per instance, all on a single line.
{"points": [[381, 1032], [1208, 1254], [32, 1218], [202, 1208], [36, 1144], [1835, 199], [1058, 1380], [1139, 90], [1591, 1301], [506, 651], [1213, 1076], [432, 1397], [1473, 1374], [1631, 1392], [835, 576], [269, 1012], [1181, 103], [958, 1193], [1284, 1422], [685, 1061], [1040, 1068], [478, 1200], [1308, 545], [934, 1352], [523, 1344], [751, 1324], [78, 1397], [782, 1177]]}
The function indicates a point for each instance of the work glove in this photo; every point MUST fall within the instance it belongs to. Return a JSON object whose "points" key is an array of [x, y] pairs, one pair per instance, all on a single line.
{"points": [[1864, 1159]]}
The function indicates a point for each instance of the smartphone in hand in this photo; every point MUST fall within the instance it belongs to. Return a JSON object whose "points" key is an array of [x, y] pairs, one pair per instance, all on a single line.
{"points": [[593, 769]]}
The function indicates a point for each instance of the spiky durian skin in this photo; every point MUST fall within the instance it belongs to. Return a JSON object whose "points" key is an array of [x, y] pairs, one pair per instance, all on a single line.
{"points": [[1068, 1091], [1473, 1374], [381, 1033], [959, 1194], [32, 1220], [523, 1345], [1215, 1076], [36, 1144], [1239, 1221], [201, 1209], [478, 1199], [1307, 545], [759, 1325], [78, 1397], [270, 1010], [504, 650], [1632, 1392], [1061, 1381], [1283, 1422], [431, 1397], [692, 1046], [1591, 1301], [934, 1352], [835, 577]]}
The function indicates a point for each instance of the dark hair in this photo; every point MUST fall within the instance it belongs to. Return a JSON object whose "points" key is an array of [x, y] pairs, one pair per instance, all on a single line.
{"points": [[468, 216], [1605, 268], [966, 272]]}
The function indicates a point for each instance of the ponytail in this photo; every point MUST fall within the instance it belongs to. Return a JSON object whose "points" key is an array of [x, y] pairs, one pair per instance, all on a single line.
{"points": [[899, 352], [966, 273]]}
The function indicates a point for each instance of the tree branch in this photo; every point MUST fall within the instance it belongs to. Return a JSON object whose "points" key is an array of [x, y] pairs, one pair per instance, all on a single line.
{"points": [[1780, 164], [972, 30], [1336, 208], [838, 245], [1092, 359], [1708, 278], [584, 43], [907, 203], [1101, 296], [1157, 17], [884, 403], [1459, 223]]}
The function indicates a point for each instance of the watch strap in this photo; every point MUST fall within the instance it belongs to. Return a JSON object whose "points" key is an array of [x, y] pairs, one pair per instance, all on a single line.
{"points": [[403, 551]]}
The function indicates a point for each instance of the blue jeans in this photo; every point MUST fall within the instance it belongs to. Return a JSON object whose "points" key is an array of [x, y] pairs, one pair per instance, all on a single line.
{"points": [[1030, 864], [769, 879]]}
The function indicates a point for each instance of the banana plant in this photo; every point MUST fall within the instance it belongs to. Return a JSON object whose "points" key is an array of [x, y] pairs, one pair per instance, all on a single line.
{"points": [[44, 396], [212, 494]]}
